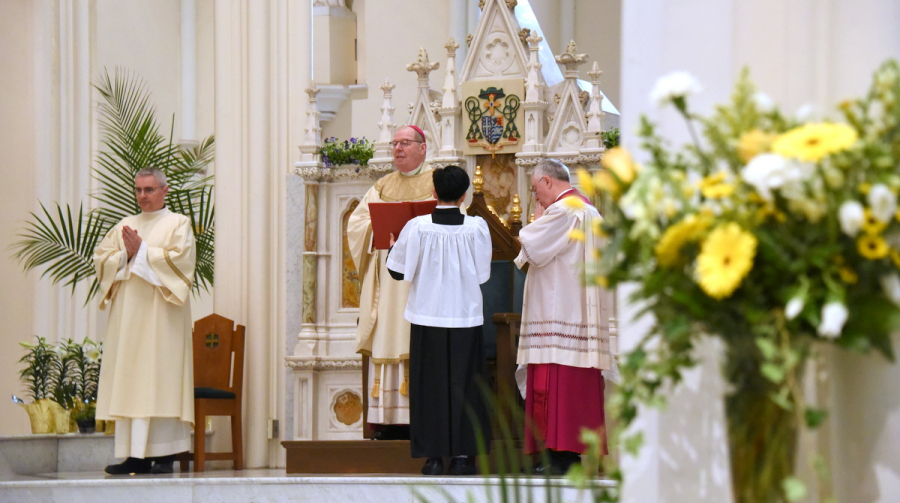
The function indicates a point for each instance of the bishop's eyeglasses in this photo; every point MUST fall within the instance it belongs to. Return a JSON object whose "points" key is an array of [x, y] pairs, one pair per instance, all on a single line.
{"points": [[404, 143]]}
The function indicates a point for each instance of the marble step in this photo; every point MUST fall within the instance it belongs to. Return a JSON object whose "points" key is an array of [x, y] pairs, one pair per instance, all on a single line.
{"points": [[71, 452], [270, 486]]}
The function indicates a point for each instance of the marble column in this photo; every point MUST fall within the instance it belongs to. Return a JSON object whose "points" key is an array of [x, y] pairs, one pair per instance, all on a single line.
{"points": [[262, 65], [63, 73]]}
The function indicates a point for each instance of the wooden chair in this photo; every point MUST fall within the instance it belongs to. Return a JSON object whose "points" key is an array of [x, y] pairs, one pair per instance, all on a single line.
{"points": [[218, 380]]}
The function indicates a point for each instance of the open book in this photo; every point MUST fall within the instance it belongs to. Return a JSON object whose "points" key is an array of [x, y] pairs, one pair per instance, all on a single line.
{"points": [[389, 218]]}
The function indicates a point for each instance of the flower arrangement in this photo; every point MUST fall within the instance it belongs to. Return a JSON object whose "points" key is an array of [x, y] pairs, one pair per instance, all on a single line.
{"points": [[67, 373], [352, 151], [771, 234]]}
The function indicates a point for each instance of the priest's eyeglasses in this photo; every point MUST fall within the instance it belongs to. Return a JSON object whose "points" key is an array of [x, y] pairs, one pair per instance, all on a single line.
{"points": [[404, 143], [146, 190]]}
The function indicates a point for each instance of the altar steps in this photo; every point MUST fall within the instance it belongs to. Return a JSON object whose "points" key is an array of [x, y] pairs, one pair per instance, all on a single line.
{"points": [[271, 486]]}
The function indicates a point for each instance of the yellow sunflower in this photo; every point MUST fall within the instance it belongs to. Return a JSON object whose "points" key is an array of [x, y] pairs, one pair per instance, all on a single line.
{"points": [[848, 275], [573, 203], [714, 186], [872, 246], [872, 225], [895, 257], [619, 161], [585, 182], [726, 256], [668, 249], [753, 143], [812, 142]]}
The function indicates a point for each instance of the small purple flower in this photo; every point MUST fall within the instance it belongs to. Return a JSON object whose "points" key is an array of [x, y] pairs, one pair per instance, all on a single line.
{"points": [[353, 140]]}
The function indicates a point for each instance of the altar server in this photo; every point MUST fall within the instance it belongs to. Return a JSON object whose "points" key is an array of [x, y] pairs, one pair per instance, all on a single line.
{"points": [[564, 341], [145, 266], [445, 257]]}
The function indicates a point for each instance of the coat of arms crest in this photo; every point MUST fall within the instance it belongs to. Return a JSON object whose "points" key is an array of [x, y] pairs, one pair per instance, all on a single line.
{"points": [[492, 116]]}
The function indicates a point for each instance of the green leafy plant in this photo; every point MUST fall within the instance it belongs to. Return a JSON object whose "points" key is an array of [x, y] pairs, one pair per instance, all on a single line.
{"points": [[67, 373], [85, 412], [63, 239], [610, 138], [338, 153], [38, 373]]}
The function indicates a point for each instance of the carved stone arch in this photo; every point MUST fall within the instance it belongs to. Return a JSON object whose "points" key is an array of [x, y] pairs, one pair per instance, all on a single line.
{"points": [[350, 282]]}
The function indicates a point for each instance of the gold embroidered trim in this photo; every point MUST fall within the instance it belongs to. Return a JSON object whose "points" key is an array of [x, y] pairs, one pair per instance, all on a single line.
{"points": [[177, 272]]}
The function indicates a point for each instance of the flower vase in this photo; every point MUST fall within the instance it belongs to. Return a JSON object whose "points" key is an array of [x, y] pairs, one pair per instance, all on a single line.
{"points": [[87, 425], [63, 421], [41, 416], [762, 435]]}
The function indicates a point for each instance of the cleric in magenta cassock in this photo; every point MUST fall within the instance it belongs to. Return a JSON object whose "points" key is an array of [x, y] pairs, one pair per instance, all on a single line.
{"points": [[564, 341]]}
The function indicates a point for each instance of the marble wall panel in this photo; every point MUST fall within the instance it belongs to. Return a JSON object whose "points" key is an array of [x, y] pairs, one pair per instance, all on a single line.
{"points": [[350, 284]]}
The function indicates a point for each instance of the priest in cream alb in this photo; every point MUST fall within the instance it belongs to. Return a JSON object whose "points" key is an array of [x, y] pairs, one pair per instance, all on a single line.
{"points": [[145, 266]]}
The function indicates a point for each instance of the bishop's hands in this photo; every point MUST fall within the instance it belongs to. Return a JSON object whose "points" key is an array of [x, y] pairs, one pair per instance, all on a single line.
{"points": [[132, 241], [538, 209]]}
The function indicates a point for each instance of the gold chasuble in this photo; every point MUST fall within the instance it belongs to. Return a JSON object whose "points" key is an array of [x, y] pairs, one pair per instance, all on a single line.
{"points": [[383, 333], [147, 381]]}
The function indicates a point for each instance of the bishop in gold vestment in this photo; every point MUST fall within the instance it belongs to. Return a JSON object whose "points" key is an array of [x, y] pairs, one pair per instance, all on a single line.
{"points": [[383, 333], [146, 381]]}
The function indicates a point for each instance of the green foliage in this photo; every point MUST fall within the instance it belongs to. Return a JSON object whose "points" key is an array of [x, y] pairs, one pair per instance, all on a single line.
{"points": [[610, 138], [339, 153], [38, 372], [64, 240]]}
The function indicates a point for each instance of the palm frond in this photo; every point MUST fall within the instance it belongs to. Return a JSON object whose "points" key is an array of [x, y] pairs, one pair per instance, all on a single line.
{"points": [[198, 204], [63, 243]]}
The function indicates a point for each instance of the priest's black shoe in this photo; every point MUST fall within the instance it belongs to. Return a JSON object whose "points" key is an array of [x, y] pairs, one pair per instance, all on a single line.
{"points": [[130, 465], [163, 464], [559, 463], [434, 466], [463, 466]]}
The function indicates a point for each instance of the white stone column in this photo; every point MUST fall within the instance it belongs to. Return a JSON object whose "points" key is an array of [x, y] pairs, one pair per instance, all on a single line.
{"points": [[262, 65], [188, 71], [64, 73]]}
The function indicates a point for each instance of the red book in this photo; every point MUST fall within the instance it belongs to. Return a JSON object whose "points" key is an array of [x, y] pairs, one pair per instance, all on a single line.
{"points": [[389, 218]]}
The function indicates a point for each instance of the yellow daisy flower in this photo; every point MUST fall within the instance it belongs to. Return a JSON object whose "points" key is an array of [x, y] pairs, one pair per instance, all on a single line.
{"points": [[597, 227], [753, 143], [872, 225], [713, 186], [573, 203], [848, 275], [668, 249], [872, 246], [585, 182], [726, 256], [895, 257], [812, 142], [864, 188], [576, 234], [619, 161]]}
